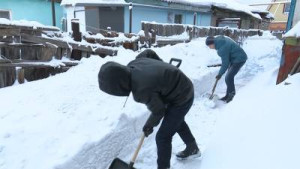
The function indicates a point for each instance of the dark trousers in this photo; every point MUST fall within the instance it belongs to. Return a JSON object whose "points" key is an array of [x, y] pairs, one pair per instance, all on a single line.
{"points": [[173, 122], [229, 79]]}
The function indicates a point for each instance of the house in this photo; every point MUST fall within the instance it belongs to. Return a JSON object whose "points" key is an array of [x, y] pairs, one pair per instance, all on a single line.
{"points": [[32, 10], [280, 10], [115, 14], [281, 13]]}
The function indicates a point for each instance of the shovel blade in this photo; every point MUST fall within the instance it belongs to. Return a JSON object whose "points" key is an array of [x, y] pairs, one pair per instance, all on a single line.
{"points": [[119, 164]]}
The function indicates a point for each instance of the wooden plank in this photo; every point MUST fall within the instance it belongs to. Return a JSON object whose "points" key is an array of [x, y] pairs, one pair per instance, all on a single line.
{"points": [[75, 63], [170, 42], [31, 28], [10, 32], [5, 44], [29, 65], [94, 49]]}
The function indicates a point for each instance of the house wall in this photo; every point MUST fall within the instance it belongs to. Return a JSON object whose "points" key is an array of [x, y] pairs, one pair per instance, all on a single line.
{"points": [[277, 11], [159, 15], [33, 10], [80, 14], [247, 21]]}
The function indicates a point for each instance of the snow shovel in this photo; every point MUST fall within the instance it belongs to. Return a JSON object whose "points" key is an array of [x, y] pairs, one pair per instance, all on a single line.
{"points": [[119, 164], [213, 90]]}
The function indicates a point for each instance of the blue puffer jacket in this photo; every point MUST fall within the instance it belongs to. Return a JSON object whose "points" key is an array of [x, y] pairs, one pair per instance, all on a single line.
{"points": [[229, 51]]}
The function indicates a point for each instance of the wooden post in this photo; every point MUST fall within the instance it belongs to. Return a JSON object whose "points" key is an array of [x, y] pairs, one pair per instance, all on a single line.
{"points": [[130, 17], [76, 54], [53, 13]]}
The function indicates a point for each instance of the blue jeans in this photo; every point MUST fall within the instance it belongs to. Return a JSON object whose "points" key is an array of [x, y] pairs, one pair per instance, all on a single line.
{"points": [[173, 123], [229, 79]]}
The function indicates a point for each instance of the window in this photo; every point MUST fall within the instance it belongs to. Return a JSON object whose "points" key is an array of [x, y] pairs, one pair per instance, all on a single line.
{"points": [[178, 18], [5, 14], [286, 8]]}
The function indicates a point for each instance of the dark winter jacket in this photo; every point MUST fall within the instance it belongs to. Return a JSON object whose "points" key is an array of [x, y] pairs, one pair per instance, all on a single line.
{"points": [[152, 82], [229, 51]]}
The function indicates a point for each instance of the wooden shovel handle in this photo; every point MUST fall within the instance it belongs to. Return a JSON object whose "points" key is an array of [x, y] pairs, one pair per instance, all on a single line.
{"points": [[213, 90], [137, 150]]}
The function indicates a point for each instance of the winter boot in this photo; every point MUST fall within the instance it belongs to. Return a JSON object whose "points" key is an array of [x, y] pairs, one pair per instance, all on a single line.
{"points": [[191, 151], [230, 97], [224, 98]]}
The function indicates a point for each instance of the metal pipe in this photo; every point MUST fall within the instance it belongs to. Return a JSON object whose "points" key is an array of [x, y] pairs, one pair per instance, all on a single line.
{"points": [[53, 13]]}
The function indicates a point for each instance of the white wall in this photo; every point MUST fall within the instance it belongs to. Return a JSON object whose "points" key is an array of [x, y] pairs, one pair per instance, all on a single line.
{"points": [[69, 13]]}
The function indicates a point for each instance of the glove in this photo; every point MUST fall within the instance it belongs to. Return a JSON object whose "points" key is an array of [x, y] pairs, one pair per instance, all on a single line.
{"points": [[218, 77], [147, 130]]}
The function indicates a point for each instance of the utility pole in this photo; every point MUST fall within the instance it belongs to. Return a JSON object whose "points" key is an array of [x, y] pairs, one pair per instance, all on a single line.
{"points": [[53, 13]]}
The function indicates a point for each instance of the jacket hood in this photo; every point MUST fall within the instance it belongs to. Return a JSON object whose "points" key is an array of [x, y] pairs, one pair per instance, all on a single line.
{"points": [[114, 79], [148, 53]]}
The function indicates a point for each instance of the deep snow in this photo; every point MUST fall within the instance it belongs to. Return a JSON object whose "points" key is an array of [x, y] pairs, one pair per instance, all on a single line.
{"points": [[66, 122]]}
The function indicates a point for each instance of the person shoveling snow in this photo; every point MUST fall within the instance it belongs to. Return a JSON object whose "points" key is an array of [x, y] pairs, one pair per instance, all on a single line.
{"points": [[168, 94], [233, 58]]}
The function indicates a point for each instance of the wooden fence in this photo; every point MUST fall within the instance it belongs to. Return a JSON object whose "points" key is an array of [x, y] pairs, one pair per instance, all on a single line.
{"points": [[26, 50], [157, 29]]}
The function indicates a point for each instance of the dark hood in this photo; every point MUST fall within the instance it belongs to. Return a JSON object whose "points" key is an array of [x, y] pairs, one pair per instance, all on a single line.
{"points": [[114, 79], [148, 53]]}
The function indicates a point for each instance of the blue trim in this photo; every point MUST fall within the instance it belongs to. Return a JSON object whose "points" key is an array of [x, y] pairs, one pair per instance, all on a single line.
{"points": [[291, 15]]}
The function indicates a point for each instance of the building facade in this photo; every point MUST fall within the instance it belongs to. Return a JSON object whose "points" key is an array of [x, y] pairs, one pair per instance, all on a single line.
{"points": [[115, 16], [32, 10], [281, 13]]}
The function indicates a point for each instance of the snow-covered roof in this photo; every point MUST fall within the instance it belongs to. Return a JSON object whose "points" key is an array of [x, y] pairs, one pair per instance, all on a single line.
{"points": [[225, 4], [294, 32], [25, 23], [74, 2]]}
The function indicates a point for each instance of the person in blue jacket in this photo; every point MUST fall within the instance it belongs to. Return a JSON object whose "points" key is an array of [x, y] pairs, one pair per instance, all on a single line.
{"points": [[233, 58]]}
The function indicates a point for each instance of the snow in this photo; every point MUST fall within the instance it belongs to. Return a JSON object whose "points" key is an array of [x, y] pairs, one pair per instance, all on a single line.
{"points": [[65, 121], [33, 24], [74, 2], [225, 4], [184, 36], [294, 32]]}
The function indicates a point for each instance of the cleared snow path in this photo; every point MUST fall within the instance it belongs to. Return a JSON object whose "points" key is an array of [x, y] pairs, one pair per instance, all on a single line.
{"points": [[66, 122]]}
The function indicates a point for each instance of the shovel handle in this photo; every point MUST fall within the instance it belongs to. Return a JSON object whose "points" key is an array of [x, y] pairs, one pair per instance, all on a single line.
{"points": [[213, 90], [179, 61], [137, 151]]}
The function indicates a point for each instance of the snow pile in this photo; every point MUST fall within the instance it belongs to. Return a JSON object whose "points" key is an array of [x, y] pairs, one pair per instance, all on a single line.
{"points": [[225, 4], [259, 129], [65, 121], [184, 36], [34, 24], [294, 32], [74, 2]]}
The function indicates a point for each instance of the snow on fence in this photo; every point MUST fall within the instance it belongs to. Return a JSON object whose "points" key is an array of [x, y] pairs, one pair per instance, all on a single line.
{"points": [[158, 30], [28, 50]]}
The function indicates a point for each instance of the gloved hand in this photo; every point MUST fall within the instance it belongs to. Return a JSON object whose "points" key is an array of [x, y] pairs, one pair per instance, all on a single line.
{"points": [[218, 77], [147, 130]]}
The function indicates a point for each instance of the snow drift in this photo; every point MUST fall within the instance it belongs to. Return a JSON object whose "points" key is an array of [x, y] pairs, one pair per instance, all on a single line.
{"points": [[65, 121]]}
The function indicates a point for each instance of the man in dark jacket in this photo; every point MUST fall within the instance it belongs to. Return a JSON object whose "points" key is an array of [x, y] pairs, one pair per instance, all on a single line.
{"points": [[233, 58], [167, 92]]}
